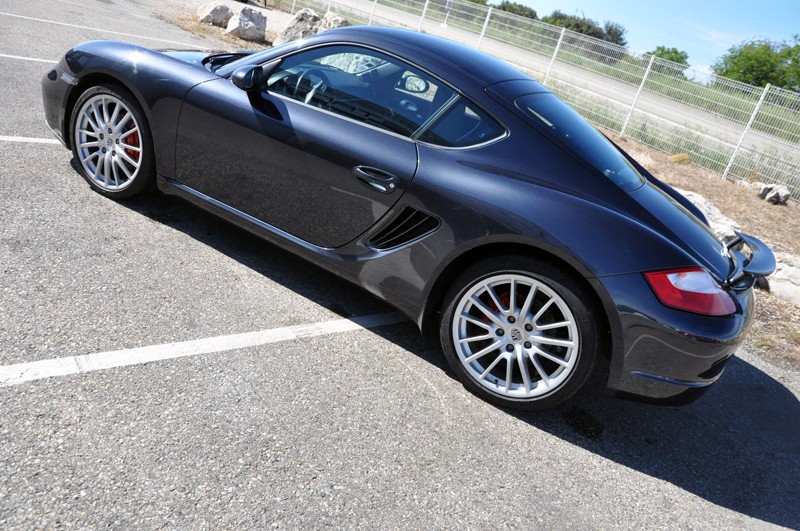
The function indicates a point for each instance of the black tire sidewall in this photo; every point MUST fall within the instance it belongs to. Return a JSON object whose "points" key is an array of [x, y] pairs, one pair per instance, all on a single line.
{"points": [[568, 288], [144, 180]]}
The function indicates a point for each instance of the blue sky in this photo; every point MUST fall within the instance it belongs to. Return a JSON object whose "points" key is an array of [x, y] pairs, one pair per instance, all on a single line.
{"points": [[704, 29]]}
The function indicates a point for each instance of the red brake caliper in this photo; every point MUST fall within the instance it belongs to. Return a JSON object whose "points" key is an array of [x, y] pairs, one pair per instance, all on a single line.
{"points": [[133, 141], [505, 298]]}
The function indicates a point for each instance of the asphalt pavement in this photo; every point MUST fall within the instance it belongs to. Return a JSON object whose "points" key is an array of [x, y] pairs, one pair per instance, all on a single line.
{"points": [[307, 423]]}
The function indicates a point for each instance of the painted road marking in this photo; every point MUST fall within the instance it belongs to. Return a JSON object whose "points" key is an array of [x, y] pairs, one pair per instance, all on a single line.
{"points": [[28, 139], [104, 7], [52, 62], [37, 370], [98, 29]]}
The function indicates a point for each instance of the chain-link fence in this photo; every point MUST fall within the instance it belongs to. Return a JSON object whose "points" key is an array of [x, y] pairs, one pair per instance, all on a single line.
{"points": [[738, 130]]}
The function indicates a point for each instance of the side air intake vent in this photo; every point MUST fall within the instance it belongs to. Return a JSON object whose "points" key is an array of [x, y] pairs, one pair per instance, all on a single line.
{"points": [[411, 224]]}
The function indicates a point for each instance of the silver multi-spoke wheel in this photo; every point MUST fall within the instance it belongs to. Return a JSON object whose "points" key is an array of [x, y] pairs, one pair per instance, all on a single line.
{"points": [[108, 142], [515, 336]]}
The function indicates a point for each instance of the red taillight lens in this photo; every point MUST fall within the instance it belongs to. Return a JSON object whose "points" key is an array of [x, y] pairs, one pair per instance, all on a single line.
{"points": [[691, 289]]}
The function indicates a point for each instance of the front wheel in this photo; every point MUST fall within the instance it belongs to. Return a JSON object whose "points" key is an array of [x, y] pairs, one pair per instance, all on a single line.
{"points": [[519, 332], [111, 142]]}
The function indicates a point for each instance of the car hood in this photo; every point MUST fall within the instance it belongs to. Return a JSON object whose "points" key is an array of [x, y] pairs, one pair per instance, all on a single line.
{"points": [[211, 59], [191, 56], [672, 220]]}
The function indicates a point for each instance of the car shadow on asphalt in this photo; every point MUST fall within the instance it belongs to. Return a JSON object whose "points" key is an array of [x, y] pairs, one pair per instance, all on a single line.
{"points": [[737, 447]]}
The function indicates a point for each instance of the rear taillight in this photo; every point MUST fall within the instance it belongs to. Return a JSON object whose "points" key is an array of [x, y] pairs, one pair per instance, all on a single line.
{"points": [[691, 289]]}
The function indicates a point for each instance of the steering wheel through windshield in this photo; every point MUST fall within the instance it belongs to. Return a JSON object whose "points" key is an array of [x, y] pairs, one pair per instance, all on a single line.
{"points": [[318, 83]]}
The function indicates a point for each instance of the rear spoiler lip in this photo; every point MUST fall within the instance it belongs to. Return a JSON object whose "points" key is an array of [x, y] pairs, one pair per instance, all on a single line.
{"points": [[760, 263]]}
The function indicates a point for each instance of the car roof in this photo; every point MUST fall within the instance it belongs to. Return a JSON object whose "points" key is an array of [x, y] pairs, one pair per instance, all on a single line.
{"points": [[479, 65]]}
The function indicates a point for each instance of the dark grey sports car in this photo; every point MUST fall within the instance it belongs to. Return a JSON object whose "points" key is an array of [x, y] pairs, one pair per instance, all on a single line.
{"points": [[443, 181]]}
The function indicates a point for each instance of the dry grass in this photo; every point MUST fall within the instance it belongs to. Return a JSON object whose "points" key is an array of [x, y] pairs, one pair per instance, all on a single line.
{"points": [[776, 331]]}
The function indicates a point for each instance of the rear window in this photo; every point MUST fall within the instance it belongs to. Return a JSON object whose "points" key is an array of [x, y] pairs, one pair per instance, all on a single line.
{"points": [[571, 129], [462, 125]]}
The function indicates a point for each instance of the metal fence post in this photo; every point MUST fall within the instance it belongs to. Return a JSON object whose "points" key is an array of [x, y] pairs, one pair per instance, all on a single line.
{"points": [[293, 4], [485, 25], [555, 53], [372, 13], [638, 92], [424, 12], [746, 130], [329, 6]]}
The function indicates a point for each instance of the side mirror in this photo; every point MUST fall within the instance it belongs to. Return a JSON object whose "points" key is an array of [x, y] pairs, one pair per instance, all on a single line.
{"points": [[248, 78], [414, 84], [251, 77]]}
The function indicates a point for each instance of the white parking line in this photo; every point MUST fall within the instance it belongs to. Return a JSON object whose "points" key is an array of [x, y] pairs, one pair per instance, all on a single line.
{"points": [[51, 61], [38, 370], [107, 8], [28, 139], [98, 29]]}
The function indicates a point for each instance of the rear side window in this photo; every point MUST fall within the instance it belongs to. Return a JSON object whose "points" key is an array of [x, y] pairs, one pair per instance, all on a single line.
{"points": [[569, 127], [462, 125]]}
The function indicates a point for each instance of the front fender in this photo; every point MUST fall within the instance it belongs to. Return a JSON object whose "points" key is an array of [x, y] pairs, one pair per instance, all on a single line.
{"points": [[159, 83]]}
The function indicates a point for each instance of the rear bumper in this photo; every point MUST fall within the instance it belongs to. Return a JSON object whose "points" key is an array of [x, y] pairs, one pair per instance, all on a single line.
{"points": [[669, 356]]}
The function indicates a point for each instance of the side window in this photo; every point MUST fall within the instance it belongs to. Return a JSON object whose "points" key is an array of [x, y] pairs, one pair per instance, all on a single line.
{"points": [[361, 84], [463, 124]]}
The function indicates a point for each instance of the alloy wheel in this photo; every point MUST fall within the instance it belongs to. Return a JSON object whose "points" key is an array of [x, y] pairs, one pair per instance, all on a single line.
{"points": [[108, 142], [515, 336]]}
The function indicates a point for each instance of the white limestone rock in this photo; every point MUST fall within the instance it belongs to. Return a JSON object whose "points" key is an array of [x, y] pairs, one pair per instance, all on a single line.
{"points": [[215, 13], [305, 23], [248, 24]]}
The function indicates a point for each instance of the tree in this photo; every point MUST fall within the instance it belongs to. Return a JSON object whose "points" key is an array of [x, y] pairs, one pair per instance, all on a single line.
{"points": [[791, 61], [583, 25], [615, 33], [671, 54], [610, 31], [517, 9], [757, 62]]}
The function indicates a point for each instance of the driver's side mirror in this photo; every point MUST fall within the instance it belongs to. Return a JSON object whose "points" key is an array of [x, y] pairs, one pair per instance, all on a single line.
{"points": [[251, 77], [413, 84]]}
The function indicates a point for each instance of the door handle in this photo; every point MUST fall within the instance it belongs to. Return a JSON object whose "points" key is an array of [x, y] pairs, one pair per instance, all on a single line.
{"points": [[378, 180]]}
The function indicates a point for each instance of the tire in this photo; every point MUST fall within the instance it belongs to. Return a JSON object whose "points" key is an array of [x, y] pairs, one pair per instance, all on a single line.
{"points": [[111, 142], [547, 340]]}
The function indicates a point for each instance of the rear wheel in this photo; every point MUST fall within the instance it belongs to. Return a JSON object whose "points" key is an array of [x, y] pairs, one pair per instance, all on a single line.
{"points": [[111, 142], [519, 333]]}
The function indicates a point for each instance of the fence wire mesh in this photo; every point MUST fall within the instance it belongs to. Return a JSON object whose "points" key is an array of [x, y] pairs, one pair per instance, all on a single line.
{"points": [[744, 132]]}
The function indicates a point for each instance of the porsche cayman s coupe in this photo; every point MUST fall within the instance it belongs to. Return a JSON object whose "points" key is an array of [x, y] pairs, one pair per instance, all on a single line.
{"points": [[443, 181]]}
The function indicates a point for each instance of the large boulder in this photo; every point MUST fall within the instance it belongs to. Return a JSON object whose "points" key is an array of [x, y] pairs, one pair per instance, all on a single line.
{"points": [[305, 23], [722, 226], [755, 186], [248, 24], [777, 194], [215, 13], [332, 21], [785, 283]]}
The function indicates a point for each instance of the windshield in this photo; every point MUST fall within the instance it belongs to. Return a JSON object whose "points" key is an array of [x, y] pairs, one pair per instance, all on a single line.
{"points": [[571, 129], [262, 57]]}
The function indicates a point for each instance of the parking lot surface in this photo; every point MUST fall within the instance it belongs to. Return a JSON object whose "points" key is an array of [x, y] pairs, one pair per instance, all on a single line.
{"points": [[279, 395]]}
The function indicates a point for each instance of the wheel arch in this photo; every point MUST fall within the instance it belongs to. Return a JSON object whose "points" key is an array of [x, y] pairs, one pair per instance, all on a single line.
{"points": [[429, 315], [92, 80]]}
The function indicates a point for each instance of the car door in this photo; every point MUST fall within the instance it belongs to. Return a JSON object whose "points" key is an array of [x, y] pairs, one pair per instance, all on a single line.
{"points": [[317, 152]]}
